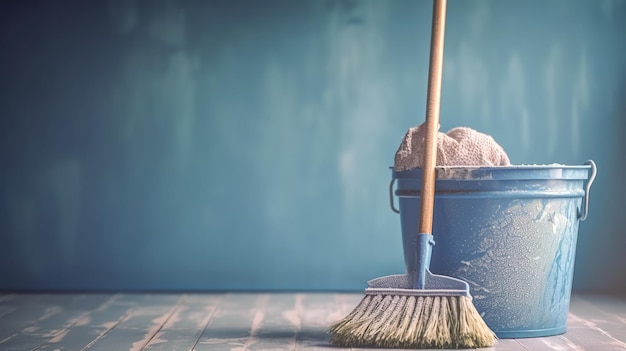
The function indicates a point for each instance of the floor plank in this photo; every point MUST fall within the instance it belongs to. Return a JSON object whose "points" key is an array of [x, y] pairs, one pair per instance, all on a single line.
{"points": [[234, 322], [312, 313], [602, 318], [16, 318], [25, 311], [143, 319], [557, 342], [56, 320], [90, 327], [242, 321], [183, 330]]}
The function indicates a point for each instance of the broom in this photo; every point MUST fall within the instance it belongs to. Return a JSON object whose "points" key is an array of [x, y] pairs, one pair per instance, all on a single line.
{"points": [[418, 309]]}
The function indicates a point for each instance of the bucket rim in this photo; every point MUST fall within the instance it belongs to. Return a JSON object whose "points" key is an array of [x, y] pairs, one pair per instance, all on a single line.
{"points": [[510, 167], [512, 172], [480, 176]]}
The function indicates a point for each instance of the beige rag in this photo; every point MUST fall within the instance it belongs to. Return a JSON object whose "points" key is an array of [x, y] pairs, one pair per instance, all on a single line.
{"points": [[462, 146]]}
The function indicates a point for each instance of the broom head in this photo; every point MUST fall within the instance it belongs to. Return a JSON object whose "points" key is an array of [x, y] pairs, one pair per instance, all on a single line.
{"points": [[414, 310]]}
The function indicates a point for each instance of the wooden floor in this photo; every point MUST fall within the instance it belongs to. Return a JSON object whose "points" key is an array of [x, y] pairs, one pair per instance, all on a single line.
{"points": [[240, 321]]}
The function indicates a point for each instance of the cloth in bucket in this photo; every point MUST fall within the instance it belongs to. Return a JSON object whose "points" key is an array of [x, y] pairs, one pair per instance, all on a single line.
{"points": [[461, 146]]}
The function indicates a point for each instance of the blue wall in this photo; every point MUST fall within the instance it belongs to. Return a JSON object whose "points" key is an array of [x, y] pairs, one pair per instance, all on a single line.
{"points": [[246, 145]]}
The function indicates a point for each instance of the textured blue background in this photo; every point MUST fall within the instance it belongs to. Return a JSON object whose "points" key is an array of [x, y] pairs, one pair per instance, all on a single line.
{"points": [[246, 145]]}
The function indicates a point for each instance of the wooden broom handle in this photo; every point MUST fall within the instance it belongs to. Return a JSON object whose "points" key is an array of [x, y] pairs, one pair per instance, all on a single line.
{"points": [[432, 116]]}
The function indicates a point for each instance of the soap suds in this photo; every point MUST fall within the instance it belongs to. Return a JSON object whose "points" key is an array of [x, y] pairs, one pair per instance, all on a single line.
{"points": [[520, 260]]}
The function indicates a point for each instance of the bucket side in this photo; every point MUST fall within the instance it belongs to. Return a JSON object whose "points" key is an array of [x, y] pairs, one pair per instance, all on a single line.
{"points": [[512, 240], [517, 256]]}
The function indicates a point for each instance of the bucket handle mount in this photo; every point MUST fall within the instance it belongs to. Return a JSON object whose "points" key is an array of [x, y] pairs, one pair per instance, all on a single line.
{"points": [[393, 206], [582, 215]]}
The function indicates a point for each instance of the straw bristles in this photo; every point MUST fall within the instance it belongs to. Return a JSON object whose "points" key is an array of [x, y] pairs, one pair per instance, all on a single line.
{"points": [[397, 321]]}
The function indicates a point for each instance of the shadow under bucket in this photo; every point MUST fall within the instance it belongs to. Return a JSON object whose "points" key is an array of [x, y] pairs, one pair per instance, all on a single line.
{"points": [[510, 232]]}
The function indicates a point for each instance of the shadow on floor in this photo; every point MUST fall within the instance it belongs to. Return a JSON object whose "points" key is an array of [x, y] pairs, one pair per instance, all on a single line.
{"points": [[311, 336]]}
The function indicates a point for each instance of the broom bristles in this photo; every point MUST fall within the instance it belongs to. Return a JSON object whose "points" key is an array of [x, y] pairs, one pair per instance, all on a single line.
{"points": [[396, 321]]}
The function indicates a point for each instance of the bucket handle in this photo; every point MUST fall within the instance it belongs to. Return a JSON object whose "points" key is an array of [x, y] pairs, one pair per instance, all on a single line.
{"points": [[583, 215], [393, 206]]}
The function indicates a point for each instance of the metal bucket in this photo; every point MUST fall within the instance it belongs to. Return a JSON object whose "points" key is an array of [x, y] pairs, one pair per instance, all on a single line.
{"points": [[510, 232]]}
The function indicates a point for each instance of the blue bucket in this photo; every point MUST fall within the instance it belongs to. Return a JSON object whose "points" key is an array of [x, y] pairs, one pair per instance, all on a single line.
{"points": [[510, 232]]}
